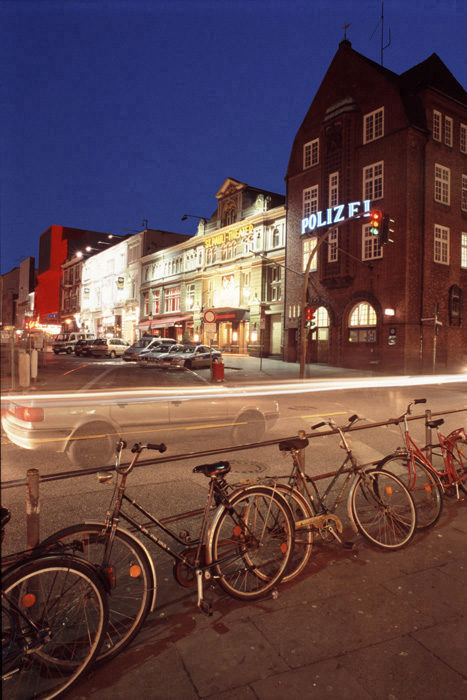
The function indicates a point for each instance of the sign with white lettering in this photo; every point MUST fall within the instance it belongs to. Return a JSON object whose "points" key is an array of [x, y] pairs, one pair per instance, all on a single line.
{"points": [[334, 215]]}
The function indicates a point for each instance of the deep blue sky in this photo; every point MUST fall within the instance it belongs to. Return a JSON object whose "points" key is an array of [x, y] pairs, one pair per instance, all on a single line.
{"points": [[115, 111]]}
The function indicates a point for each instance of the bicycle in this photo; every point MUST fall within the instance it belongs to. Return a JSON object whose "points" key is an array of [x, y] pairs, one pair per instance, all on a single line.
{"points": [[54, 617], [246, 547], [380, 507], [416, 471], [449, 458]]}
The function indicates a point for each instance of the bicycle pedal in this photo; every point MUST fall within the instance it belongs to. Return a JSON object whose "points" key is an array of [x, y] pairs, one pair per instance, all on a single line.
{"points": [[349, 545], [206, 608]]}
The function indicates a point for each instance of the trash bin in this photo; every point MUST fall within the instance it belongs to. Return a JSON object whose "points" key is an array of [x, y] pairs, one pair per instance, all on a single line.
{"points": [[217, 370]]}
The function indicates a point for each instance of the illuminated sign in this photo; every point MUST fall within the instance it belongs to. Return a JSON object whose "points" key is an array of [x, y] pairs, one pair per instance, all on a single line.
{"points": [[228, 236], [334, 215]]}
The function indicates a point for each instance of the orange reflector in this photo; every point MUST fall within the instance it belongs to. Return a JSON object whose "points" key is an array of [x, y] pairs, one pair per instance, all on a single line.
{"points": [[389, 490], [284, 547], [135, 571], [28, 600], [428, 488], [237, 531]]}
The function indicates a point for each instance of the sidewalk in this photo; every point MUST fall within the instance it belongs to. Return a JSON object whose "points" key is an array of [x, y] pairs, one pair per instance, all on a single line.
{"points": [[357, 625]]}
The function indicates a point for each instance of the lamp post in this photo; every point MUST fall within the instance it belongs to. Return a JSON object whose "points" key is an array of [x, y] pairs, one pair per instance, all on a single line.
{"points": [[192, 216]]}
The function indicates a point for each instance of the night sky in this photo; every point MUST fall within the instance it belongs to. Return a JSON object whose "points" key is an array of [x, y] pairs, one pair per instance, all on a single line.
{"points": [[118, 111]]}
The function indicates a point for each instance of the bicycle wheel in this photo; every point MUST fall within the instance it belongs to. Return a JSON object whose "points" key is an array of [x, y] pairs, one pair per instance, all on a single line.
{"points": [[133, 588], [250, 542], [56, 621], [301, 510], [459, 461], [424, 486], [383, 509]]}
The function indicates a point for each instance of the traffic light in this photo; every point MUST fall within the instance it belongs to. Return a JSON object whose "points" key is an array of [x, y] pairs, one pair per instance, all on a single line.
{"points": [[386, 230], [376, 222], [310, 317]]}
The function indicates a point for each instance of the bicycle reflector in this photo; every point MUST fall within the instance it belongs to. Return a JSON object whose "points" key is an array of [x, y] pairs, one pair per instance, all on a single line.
{"points": [[376, 219]]}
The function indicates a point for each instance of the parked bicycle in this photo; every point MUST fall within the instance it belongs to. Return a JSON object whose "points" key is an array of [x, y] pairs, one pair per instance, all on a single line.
{"points": [[449, 458], [379, 506], [54, 617], [411, 465], [246, 546]]}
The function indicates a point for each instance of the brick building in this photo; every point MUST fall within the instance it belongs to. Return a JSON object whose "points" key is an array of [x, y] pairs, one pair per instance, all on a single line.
{"points": [[398, 143]]}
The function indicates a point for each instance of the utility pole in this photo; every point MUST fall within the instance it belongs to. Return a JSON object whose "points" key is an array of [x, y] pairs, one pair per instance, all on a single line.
{"points": [[436, 325], [303, 334]]}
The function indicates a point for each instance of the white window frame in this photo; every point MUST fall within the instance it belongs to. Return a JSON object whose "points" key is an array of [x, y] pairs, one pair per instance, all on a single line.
{"points": [[363, 323], [448, 131], [333, 246], [172, 299], [371, 245], [441, 245], [373, 125], [156, 296], [189, 296], [463, 138], [464, 250], [442, 184], [373, 181], [333, 199], [308, 245], [310, 201], [437, 117], [311, 154], [464, 193]]}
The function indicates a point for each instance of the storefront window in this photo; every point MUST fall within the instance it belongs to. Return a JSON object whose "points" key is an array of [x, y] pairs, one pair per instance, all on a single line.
{"points": [[362, 324]]}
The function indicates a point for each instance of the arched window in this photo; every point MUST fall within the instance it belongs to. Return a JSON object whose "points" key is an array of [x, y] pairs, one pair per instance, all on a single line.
{"points": [[362, 323], [322, 317]]}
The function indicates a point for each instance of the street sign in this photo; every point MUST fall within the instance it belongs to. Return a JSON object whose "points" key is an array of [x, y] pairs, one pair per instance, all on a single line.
{"points": [[210, 328], [209, 316]]}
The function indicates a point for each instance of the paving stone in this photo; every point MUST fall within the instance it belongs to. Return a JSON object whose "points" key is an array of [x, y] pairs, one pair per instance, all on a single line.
{"points": [[217, 662], [448, 641], [403, 669]]}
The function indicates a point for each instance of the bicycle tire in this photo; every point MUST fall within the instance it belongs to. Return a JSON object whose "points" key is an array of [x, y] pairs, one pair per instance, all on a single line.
{"points": [[303, 545], [383, 509], [131, 595], [423, 484], [459, 461], [250, 542], [65, 597]]}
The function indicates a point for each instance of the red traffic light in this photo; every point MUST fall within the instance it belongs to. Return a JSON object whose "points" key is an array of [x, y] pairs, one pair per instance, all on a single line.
{"points": [[376, 219], [310, 316]]}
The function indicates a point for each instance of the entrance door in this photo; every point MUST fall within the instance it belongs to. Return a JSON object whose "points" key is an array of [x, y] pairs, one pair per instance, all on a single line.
{"points": [[276, 334]]}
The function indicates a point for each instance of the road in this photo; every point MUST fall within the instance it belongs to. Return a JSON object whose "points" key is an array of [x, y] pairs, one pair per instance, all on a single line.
{"points": [[171, 487]]}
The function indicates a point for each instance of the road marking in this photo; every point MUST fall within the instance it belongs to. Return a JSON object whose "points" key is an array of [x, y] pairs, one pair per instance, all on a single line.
{"points": [[322, 415]]}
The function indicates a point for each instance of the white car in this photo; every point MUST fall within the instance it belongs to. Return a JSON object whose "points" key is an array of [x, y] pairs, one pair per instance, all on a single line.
{"points": [[84, 412]]}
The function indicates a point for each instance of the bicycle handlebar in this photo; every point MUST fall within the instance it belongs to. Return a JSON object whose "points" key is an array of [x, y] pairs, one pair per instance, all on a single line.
{"points": [[331, 423]]}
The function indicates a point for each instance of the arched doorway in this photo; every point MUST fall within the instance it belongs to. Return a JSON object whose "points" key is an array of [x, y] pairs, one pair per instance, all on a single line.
{"points": [[318, 340]]}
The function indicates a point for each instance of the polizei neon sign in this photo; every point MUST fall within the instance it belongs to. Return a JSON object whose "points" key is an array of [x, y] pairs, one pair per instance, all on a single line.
{"points": [[334, 215]]}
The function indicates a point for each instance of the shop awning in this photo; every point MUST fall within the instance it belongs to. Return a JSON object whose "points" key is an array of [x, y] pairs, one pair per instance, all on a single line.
{"points": [[163, 322], [231, 314]]}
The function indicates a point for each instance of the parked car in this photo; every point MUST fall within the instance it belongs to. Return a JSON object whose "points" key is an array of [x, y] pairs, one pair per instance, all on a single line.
{"points": [[65, 342], [83, 347], [84, 414], [109, 347], [156, 354], [192, 357], [133, 353]]}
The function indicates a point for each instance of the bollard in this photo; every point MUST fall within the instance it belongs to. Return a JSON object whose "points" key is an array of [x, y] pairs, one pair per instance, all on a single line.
{"points": [[24, 367], [32, 508], [34, 362]]}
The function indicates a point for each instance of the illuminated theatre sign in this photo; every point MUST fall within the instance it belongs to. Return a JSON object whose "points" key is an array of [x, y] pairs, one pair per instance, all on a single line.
{"points": [[228, 236], [335, 215]]}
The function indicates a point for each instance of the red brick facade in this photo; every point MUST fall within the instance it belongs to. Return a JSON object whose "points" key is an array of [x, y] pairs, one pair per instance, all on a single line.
{"points": [[373, 134]]}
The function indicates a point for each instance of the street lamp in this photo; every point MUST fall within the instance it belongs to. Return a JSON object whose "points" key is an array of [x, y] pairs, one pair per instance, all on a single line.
{"points": [[192, 216]]}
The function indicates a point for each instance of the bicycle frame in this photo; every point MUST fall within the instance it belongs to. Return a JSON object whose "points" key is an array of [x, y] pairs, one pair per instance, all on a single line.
{"points": [[446, 442]]}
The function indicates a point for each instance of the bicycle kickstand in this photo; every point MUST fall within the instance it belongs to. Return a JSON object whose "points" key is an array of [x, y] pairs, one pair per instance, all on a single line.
{"points": [[203, 605]]}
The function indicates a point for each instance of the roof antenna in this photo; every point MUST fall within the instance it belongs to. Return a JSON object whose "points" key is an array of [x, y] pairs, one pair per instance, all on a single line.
{"points": [[382, 33]]}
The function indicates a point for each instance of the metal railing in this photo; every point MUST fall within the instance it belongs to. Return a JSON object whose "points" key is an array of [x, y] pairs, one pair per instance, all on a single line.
{"points": [[34, 479]]}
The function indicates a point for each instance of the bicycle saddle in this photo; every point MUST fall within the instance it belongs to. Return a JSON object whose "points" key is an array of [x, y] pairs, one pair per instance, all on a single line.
{"points": [[434, 423], [296, 444], [216, 468]]}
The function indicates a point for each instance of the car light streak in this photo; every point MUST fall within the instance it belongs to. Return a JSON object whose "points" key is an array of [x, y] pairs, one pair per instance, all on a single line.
{"points": [[216, 392]]}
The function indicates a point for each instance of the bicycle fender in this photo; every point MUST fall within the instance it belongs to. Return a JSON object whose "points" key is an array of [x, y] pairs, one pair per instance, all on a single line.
{"points": [[149, 558]]}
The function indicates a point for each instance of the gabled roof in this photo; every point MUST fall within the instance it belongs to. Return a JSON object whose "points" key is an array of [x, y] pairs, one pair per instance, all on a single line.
{"points": [[432, 73]]}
